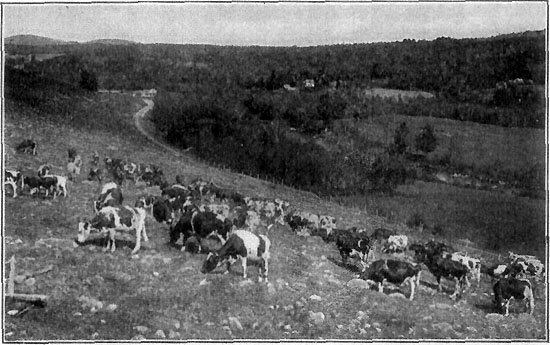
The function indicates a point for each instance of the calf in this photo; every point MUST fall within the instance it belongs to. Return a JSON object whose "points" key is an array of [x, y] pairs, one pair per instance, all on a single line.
{"points": [[44, 170], [299, 221], [112, 219], [27, 146], [511, 288], [60, 185], [530, 264], [242, 245], [350, 243], [393, 271]]}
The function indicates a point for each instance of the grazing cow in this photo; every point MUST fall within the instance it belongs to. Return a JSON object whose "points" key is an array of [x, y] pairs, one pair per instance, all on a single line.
{"points": [[161, 210], [34, 183], [200, 224], [511, 288], [327, 224], [11, 178], [242, 245], [111, 195], [59, 184], [473, 264], [393, 271], [27, 146], [441, 265], [112, 219], [44, 170], [396, 243]]}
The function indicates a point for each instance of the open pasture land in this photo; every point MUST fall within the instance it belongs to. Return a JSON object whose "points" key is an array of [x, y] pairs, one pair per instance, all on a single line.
{"points": [[482, 147], [161, 292]]}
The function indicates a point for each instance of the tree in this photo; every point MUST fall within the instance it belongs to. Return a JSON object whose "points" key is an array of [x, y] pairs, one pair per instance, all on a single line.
{"points": [[426, 141], [88, 80], [399, 145]]}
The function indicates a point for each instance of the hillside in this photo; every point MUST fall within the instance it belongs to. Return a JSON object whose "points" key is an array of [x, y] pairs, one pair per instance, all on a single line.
{"points": [[33, 40], [161, 293]]}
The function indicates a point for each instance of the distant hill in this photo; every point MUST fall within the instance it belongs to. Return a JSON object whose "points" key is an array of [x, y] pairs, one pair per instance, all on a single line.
{"points": [[34, 40], [113, 41]]}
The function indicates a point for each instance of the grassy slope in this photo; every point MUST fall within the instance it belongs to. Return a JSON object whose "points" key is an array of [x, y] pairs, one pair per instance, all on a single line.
{"points": [[160, 288]]}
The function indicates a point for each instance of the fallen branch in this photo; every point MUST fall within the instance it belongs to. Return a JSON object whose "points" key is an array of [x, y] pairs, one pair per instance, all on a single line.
{"points": [[35, 299]]}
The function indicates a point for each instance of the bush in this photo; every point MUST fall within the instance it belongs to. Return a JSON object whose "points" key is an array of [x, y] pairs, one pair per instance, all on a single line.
{"points": [[88, 81], [387, 172], [415, 220], [399, 145], [426, 141]]}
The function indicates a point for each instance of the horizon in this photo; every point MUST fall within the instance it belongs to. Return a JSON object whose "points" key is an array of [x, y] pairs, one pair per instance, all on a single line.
{"points": [[287, 24]]}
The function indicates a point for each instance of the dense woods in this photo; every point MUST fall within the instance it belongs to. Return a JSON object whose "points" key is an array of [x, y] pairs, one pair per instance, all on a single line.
{"points": [[261, 110]]}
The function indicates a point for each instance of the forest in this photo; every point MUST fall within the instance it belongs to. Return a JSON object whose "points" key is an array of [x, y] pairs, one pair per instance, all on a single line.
{"points": [[261, 110]]}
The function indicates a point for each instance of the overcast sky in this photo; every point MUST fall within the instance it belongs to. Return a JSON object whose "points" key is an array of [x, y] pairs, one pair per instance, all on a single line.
{"points": [[273, 23]]}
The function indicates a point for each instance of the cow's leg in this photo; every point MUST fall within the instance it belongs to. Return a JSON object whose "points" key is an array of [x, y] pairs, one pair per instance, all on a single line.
{"points": [[266, 269], [507, 307], [138, 239], [411, 281], [467, 281], [113, 235], [145, 237], [381, 286], [243, 263], [439, 287], [530, 303], [457, 288]]}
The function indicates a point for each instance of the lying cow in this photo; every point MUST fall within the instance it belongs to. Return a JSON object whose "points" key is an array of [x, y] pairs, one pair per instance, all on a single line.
{"points": [[300, 221], [396, 243], [530, 264], [109, 220], [393, 271], [201, 225], [473, 264], [350, 243], [242, 245], [27, 146], [511, 288]]}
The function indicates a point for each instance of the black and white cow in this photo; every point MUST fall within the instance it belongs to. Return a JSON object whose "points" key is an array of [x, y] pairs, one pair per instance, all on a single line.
{"points": [[531, 265], [59, 183], [393, 271], [351, 243], [201, 225], [441, 265], [511, 288], [244, 245], [109, 220], [95, 174], [161, 210], [27, 146], [33, 182], [111, 195], [44, 170], [12, 178]]}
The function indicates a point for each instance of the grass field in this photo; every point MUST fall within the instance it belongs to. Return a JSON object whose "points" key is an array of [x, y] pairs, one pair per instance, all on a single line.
{"points": [[162, 289]]}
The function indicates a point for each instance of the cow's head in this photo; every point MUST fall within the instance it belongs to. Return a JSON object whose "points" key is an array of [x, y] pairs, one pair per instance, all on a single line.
{"points": [[84, 230], [212, 261], [328, 223]]}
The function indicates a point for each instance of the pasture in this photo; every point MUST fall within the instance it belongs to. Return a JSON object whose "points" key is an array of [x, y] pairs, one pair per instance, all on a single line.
{"points": [[161, 294]]}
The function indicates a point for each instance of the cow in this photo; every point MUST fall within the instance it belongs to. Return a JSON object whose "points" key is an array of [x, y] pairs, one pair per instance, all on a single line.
{"points": [[327, 224], [200, 224], [11, 178], [59, 184], [350, 243], [95, 159], [396, 243], [111, 195], [394, 271], [161, 210], [95, 174], [73, 167], [473, 264], [221, 210], [27, 146], [33, 182], [300, 221], [109, 220], [242, 245], [71, 153], [506, 289], [531, 264], [380, 236], [13, 186], [441, 265], [44, 170]]}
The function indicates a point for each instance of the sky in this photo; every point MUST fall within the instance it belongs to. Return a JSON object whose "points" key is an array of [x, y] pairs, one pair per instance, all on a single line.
{"points": [[274, 24]]}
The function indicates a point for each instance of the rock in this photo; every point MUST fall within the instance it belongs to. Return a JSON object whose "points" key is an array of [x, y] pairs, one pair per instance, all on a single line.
{"points": [[443, 306], [77, 314], [299, 304], [494, 317], [271, 289], [245, 282], [174, 335], [255, 325], [160, 334], [177, 324], [203, 282], [375, 324], [13, 312], [138, 337], [111, 307], [300, 285], [18, 241], [95, 335], [315, 298], [235, 323], [378, 329], [141, 329], [360, 314], [317, 318], [524, 317], [443, 327], [30, 282], [166, 261], [287, 327], [357, 283], [227, 329], [397, 295], [427, 318], [19, 279], [103, 321], [471, 329], [156, 274]]}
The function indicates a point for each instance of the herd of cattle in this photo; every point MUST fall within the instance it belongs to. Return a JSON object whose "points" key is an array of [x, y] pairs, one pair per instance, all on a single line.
{"points": [[226, 225]]}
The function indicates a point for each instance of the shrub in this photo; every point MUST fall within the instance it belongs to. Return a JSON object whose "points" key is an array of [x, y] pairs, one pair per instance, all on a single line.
{"points": [[426, 141], [88, 80], [399, 145], [415, 220], [387, 172]]}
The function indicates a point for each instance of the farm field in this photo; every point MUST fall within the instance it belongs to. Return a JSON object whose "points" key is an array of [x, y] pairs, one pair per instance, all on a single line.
{"points": [[161, 294]]}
